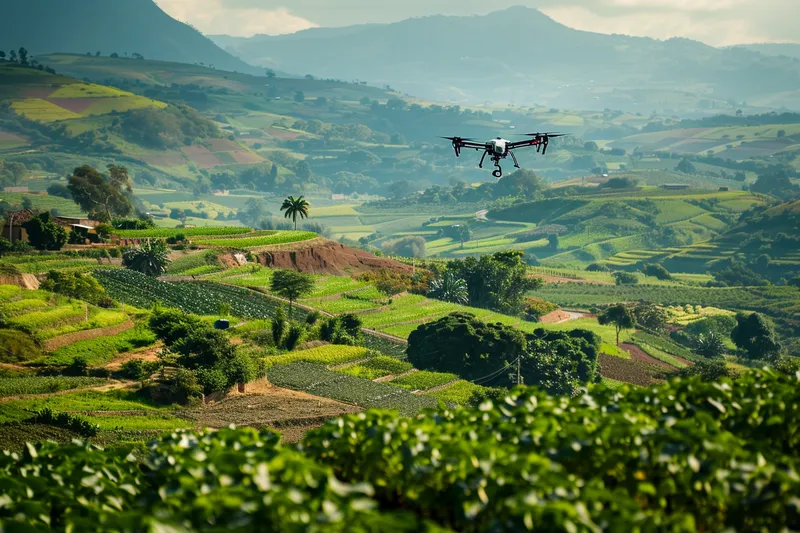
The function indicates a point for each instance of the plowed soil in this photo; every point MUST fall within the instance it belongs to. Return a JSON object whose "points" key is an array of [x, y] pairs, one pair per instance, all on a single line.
{"points": [[266, 406], [328, 257], [629, 370], [637, 354]]}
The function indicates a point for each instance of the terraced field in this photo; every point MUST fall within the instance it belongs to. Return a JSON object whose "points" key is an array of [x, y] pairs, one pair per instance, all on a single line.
{"points": [[44, 315]]}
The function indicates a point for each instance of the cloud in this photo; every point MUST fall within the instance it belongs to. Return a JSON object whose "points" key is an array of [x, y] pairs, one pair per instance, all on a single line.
{"points": [[217, 17], [716, 22]]}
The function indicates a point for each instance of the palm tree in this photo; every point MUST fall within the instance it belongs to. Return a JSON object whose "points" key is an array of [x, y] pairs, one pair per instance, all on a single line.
{"points": [[295, 206], [710, 345], [149, 258], [449, 288]]}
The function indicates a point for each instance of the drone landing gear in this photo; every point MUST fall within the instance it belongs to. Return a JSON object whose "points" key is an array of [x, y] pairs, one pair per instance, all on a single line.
{"points": [[498, 172]]}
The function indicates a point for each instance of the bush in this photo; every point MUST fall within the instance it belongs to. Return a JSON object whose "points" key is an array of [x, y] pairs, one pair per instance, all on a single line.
{"points": [[293, 336], [625, 278], [186, 389], [597, 267], [66, 421], [78, 367], [656, 271]]}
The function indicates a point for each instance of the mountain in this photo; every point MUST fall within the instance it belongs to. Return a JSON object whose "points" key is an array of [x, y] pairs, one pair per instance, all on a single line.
{"points": [[89, 26], [519, 55], [775, 49]]}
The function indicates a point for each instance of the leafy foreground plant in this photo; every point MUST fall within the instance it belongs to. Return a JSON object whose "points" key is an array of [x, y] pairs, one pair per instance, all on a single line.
{"points": [[680, 457]]}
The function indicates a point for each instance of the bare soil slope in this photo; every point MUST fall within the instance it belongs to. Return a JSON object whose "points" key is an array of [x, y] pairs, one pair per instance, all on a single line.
{"points": [[327, 257]]}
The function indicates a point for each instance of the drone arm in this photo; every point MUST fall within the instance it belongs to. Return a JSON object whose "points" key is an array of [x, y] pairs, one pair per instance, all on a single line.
{"points": [[483, 157], [524, 144], [514, 158]]}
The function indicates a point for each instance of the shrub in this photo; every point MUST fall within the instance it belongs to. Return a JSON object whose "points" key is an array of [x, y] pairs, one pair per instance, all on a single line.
{"points": [[293, 336], [65, 421], [657, 271], [625, 278]]}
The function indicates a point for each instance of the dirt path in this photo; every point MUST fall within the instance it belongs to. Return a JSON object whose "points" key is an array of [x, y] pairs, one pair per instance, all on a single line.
{"points": [[112, 385], [55, 343], [560, 316], [149, 354], [637, 354], [385, 336]]}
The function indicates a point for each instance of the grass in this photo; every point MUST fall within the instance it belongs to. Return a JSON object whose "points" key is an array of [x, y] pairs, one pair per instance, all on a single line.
{"points": [[103, 350], [44, 384], [77, 402], [458, 393], [279, 237], [331, 354], [163, 233], [42, 110], [423, 380]]}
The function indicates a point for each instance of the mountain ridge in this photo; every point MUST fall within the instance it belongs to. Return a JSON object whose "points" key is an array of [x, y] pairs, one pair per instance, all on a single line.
{"points": [[82, 26], [510, 54]]}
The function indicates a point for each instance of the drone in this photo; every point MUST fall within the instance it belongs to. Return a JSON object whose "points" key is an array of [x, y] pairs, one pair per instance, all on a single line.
{"points": [[501, 148]]}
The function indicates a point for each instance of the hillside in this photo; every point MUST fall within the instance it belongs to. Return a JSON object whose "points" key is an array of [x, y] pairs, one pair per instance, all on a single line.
{"points": [[775, 49], [624, 228], [125, 28], [54, 123], [460, 59]]}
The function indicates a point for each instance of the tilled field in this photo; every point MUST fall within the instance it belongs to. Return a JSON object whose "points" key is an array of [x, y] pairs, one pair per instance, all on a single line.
{"points": [[290, 412]]}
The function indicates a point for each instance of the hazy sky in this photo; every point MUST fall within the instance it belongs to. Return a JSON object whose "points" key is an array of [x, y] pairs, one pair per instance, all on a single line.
{"points": [[717, 22]]}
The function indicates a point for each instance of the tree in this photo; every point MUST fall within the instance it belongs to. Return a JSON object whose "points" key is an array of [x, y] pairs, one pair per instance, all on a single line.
{"points": [[12, 55], [523, 183], [17, 170], [2, 55], [23, 56], [686, 167], [650, 316], [149, 258], [656, 270], [294, 207], [60, 190], [625, 278], [278, 326], [591, 146], [755, 335], [560, 362], [103, 197], [464, 345], [292, 285], [552, 241], [410, 246], [299, 96], [270, 73], [449, 288], [709, 345], [498, 281], [44, 233], [620, 316], [74, 285]]}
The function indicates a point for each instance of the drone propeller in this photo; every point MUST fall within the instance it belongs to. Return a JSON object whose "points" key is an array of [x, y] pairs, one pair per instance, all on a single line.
{"points": [[456, 139], [546, 134]]}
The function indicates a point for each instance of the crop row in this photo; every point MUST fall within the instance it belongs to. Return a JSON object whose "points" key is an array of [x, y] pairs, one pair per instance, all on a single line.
{"points": [[280, 237], [103, 349], [423, 380], [163, 233], [202, 298], [331, 354], [44, 384], [628, 370], [318, 380], [665, 345], [377, 367], [458, 393]]}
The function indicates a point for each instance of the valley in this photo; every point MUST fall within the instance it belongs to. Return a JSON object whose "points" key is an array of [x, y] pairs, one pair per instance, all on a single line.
{"points": [[245, 285]]}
